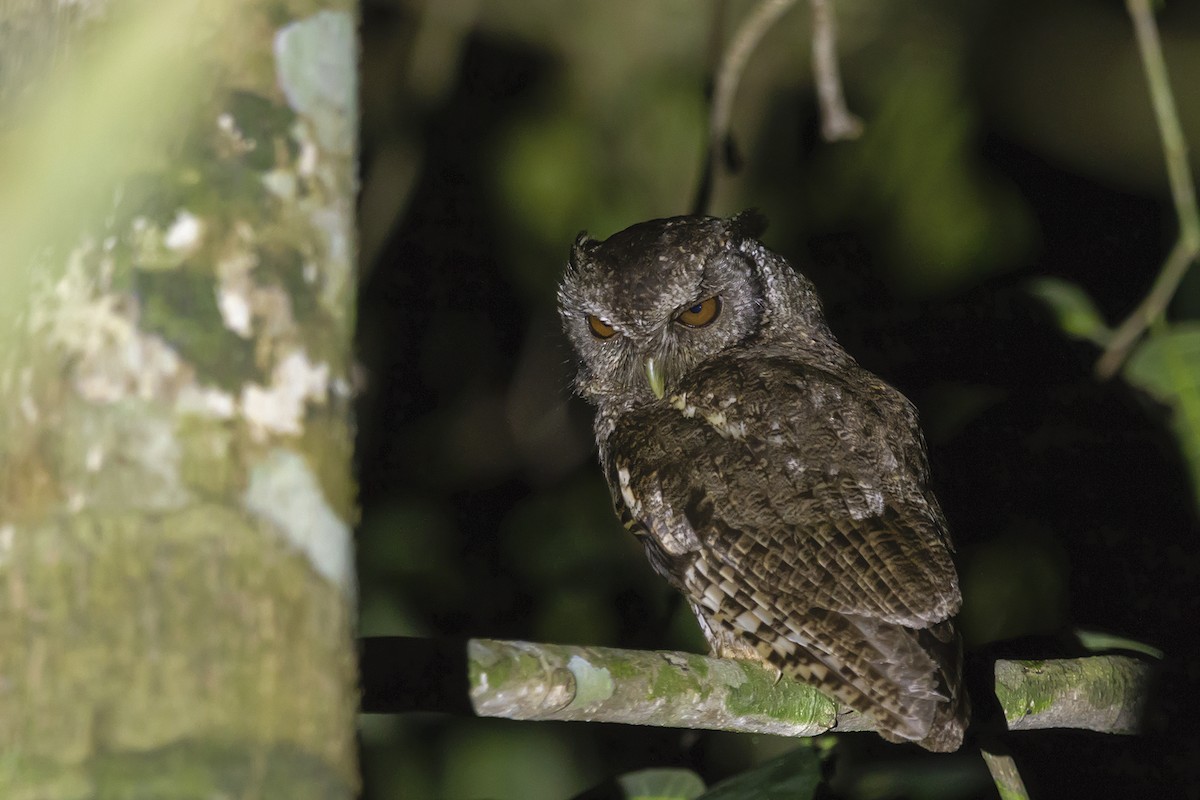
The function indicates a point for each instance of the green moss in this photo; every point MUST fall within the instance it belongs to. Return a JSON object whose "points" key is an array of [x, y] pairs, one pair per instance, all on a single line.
{"points": [[201, 770], [475, 673], [1105, 681], [121, 599], [265, 122], [1027, 688], [208, 463], [787, 700], [25, 778], [484, 661], [622, 670], [698, 665], [1008, 793], [286, 263], [672, 682], [180, 306], [327, 444]]}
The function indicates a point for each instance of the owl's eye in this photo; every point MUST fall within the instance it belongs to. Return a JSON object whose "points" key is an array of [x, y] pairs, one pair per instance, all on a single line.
{"points": [[701, 314], [600, 328]]}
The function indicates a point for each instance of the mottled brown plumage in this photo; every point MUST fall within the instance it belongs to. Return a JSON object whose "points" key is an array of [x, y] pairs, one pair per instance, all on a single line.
{"points": [[783, 489]]}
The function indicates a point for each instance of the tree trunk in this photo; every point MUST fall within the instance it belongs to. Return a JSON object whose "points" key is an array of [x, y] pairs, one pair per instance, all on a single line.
{"points": [[176, 312]]}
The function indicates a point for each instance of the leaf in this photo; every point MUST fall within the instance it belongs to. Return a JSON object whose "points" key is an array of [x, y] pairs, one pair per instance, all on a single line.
{"points": [[1076, 313], [1167, 365], [792, 776], [1099, 641], [661, 784]]}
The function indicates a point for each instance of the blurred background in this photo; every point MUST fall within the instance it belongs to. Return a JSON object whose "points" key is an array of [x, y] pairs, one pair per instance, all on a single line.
{"points": [[1006, 141]]}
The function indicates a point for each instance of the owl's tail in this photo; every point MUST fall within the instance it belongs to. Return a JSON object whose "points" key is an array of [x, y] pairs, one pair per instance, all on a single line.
{"points": [[951, 715], [911, 686], [907, 679]]}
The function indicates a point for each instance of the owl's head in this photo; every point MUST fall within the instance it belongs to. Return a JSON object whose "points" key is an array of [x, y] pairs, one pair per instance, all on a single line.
{"points": [[650, 304]]}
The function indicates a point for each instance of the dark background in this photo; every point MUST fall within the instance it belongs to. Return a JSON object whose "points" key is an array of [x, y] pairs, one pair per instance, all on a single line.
{"points": [[1005, 141]]}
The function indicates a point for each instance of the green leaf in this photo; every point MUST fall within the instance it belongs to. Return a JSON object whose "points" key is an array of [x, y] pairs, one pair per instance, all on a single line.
{"points": [[1099, 641], [661, 784], [1077, 314], [792, 776], [1167, 365]]}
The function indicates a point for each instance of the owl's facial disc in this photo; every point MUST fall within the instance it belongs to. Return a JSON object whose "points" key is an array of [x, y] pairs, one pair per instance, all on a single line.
{"points": [[657, 364], [649, 305]]}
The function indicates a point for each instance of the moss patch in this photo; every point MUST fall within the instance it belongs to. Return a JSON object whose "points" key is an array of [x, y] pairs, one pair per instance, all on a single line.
{"points": [[193, 626], [784, 700]]}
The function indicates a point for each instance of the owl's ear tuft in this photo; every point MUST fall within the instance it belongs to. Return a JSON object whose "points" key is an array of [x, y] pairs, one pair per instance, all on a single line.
{"points": [[584, 244], [748, 224]]}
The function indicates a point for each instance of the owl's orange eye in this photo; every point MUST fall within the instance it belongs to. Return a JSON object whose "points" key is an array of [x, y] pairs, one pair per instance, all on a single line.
{"points": [[600, 328], [701, 314]]}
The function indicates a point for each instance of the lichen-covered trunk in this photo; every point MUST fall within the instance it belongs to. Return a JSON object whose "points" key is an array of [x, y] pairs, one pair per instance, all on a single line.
{"points": [[176, 311]]}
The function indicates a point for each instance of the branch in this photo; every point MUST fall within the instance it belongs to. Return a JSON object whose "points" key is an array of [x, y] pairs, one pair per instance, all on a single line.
{"points": [[837, 123], [1098, 693], [520, 680], [524, 680], [1183, 193], [1005, 775], [725, 84]]}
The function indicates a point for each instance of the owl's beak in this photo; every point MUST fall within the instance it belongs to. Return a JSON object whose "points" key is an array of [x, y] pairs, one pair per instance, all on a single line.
{"points": [[655, 376]]}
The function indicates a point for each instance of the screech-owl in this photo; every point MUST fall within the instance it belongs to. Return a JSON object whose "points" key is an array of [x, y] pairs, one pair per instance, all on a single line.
{"points": [[782, 488]]}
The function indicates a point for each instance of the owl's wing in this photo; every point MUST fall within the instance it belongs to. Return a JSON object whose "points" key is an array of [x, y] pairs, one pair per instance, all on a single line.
{"points": [[816, 481], [791, 505]]}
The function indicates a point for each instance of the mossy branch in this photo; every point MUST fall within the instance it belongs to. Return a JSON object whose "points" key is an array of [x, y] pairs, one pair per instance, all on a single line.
{"points": [[522, 680], [1098, 693], [531, 681]]}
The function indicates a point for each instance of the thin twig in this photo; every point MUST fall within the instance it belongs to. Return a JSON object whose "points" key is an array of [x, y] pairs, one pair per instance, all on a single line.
{"points": [[728, 76], [837, 123], [1006, 776], [1153, 304], [1183, 193]]}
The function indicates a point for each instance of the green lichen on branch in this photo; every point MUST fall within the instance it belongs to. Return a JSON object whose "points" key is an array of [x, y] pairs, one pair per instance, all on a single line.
{"points": [[1100, 693], [521, 680]]}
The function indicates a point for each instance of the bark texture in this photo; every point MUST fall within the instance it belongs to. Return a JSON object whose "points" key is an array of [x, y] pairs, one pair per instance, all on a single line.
{"points": [[176, 499]]}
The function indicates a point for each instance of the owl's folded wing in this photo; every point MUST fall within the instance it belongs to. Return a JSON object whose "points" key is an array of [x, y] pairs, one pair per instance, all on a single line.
{"points": [[814, 484]]}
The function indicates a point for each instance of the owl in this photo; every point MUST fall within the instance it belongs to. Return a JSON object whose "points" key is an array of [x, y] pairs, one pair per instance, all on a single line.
{"points": [[779, 486]]}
